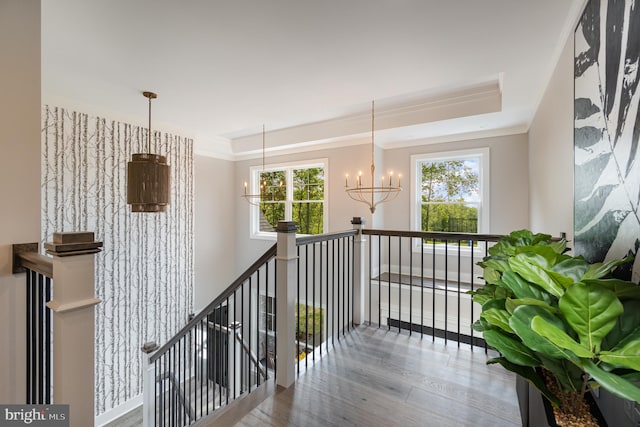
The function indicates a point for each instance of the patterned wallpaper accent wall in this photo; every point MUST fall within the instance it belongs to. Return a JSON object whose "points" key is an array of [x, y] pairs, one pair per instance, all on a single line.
{"points": [[144, 275]]}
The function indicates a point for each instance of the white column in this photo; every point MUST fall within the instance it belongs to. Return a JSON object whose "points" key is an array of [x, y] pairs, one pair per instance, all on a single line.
{"points": [[73, 327], [148, 385], [286, 263], [358, 271]]}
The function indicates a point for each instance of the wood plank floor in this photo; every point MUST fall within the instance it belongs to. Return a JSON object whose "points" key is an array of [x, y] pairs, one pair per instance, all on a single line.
{"points": [[374, 377]]}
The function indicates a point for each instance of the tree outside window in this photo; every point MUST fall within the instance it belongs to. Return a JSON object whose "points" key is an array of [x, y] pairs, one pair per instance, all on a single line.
{"points": [[451, 191], [291, 193], [450, 195]]}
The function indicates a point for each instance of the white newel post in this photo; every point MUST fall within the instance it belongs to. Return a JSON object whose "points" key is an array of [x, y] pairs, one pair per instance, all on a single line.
{"points": [[358, 271], [148, 384], [74, 324], [286, 263]]}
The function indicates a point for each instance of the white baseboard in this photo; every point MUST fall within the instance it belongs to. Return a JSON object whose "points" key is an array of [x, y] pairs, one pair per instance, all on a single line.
{"points": [[118, 411]]}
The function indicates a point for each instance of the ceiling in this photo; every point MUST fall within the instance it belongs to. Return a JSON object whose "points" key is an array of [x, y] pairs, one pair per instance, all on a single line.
{"points": [[308, 70]]}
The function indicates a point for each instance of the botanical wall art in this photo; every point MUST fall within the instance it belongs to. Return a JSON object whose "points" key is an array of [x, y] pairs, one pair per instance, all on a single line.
{"points": [[144, 275], [607, 131]]}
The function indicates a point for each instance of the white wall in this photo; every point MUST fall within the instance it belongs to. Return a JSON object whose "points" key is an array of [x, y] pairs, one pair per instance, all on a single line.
{"points": [[551, 153], [509, 181], [215, 241], [19, 177]]}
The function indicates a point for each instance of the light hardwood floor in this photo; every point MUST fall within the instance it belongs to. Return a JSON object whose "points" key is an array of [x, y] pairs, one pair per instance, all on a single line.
{"points": [[374, 377]]}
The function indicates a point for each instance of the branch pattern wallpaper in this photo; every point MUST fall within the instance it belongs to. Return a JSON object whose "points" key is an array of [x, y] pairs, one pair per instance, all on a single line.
{"points": [[607, 130], [144, 275]]}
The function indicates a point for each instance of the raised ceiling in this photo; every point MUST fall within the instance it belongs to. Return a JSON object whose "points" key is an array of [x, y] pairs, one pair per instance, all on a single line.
{"points": [[308, 69]]}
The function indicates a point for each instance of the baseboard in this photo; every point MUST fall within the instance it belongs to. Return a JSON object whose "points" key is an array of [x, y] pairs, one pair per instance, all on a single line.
{"points": [[118, 411]]}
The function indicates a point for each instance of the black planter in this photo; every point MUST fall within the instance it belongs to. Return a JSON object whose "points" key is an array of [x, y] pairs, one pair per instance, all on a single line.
{"points": [[536, 410]]}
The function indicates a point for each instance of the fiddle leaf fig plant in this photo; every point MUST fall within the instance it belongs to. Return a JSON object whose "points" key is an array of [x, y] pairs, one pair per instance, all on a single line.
{"points": [[544, 309]]}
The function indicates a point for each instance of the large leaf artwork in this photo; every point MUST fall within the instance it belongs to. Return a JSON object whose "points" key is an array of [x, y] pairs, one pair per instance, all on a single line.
{"points": [[607, 130]]}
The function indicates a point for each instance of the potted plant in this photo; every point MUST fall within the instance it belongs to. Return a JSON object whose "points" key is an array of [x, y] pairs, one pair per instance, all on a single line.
{"points": [[561, 323]]}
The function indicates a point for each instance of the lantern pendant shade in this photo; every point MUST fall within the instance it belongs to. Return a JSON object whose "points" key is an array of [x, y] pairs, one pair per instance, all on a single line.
{"points": [[148, 177]]}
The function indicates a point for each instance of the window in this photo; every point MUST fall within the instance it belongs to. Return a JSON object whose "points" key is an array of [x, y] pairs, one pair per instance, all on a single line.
{"points": [[268, 319], [293, 192], [451, 191]]}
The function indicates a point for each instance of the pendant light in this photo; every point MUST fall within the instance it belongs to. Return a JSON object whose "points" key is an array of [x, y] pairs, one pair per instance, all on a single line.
{"points": [[373, 195], [263, 195], [148, 177]]}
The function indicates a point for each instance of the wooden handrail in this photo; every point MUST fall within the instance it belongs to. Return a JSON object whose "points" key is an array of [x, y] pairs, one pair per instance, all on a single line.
{"points": [[37, 262]]}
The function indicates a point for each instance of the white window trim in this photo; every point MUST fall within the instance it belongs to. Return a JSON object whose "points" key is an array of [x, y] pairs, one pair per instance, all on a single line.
{"points": [[483, 153], [254, 188]]}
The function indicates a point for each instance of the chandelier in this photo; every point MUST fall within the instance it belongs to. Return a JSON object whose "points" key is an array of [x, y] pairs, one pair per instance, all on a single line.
{"points": [[374, 195], [264, 194], [148, 177]]}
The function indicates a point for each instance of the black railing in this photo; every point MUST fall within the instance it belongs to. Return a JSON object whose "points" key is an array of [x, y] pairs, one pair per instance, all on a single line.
{"points": [[221, 354], [418, 282], [39, 272], [324, 309]]}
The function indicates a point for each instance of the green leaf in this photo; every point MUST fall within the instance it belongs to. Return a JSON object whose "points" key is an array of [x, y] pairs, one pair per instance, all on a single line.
{"points": [[600, 270], [573, 268], [496, 264], [560, 339], [490, 275], [520, 322], [627, 327], [628, 356], [559, 246], [523, 289], [512, 303], [528, 374], [611, 382], [623, 289], [512, 349], [497, 317], [592, 311], [528, 266]]}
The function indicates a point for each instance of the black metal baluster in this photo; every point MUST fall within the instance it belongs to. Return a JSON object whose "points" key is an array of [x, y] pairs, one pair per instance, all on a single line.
{"points": [[379, 272], [306, 305], [399, 282], [28, 335], [250, 328], [298, 318], [233, 340], [459, 272], [257, 361], [48, 332], [228, 340], [421, 288], [446, 289], [410, 286], [323, 312], [433, 290], [389, 284], [333, 292], [275, 319], [472, 289], [370, 275], [313, 303], [243, 359], [41, 339], [34, 339], [338, 306]]}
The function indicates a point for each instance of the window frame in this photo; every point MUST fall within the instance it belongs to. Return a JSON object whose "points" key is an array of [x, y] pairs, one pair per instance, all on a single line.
{"points": [[288, 167], [484, 212]]}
